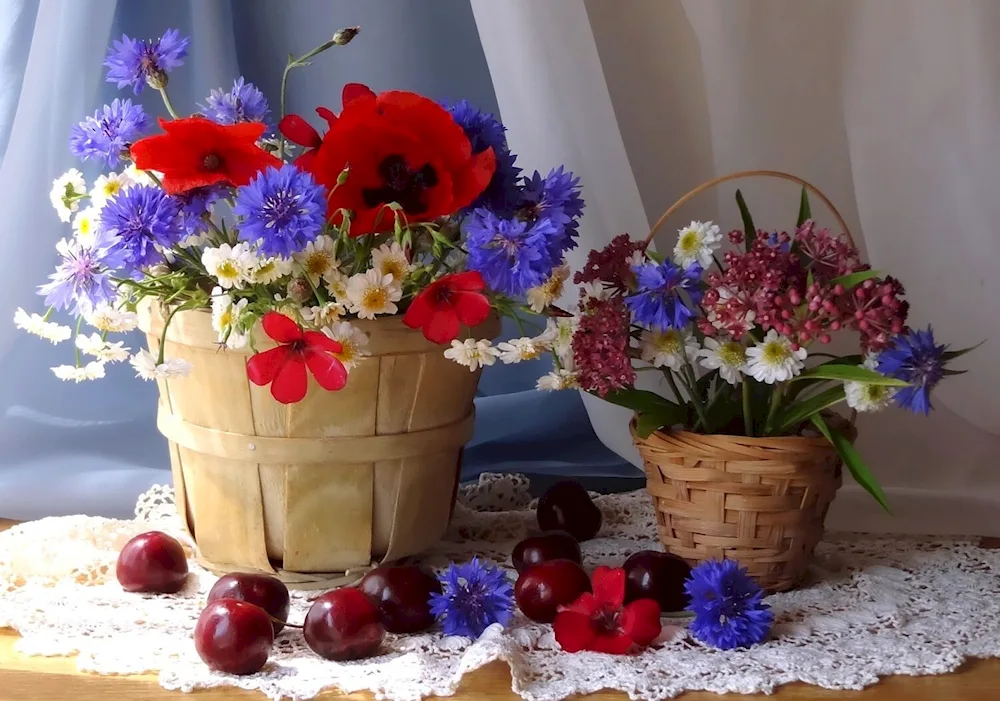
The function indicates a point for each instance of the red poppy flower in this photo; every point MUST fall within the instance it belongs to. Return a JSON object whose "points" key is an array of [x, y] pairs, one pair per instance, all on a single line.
{"points": [[446, 304], [196, 152], [599, 622], [284, 367], [401, 147]]}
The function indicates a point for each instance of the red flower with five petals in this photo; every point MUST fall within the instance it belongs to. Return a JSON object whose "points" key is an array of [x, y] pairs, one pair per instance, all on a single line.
{"points": [[284, 367], [400, 147], [599, 622], [446, 304], [197, 152]]}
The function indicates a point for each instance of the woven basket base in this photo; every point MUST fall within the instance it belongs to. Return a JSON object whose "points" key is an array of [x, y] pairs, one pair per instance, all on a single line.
{"points": [[760, 501]]}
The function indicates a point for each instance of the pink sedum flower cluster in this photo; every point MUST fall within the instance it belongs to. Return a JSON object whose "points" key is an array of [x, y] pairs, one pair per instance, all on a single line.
{"points": [[601, 346]]}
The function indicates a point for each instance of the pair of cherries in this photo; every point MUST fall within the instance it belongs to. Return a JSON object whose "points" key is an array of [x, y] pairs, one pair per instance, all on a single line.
{"points": [[235, 632]]}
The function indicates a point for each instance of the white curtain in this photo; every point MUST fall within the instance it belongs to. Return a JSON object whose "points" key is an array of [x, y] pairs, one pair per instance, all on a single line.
{"points": [[890, 107]]}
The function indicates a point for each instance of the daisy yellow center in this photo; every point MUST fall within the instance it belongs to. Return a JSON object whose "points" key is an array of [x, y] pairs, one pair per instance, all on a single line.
{"points": [[374, 298], [228, 269], [265, 269], [111, 188], [690, 241], [669, 342], [318, 262], [732, 354], [396, 268], [348, 352], [529, 352], [226, 318], [553, 287], [85, 226], [776, 353], [876, 393]]}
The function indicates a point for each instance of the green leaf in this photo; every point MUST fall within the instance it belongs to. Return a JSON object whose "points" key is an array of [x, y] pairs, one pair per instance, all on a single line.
{"points": [[749, 230], [805, 212], [951, 355], [645, 424], [853, 279], [656, 256], [794, 414], [951, 373], [645, 402], [848, 373], [853, 460]]}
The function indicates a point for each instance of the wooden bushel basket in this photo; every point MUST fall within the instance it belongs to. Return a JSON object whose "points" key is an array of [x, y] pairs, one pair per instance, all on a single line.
{"points": [[314, 492], [759, 501]]}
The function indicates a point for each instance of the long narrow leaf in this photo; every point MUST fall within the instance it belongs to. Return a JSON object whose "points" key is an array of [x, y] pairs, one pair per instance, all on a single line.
{"points": [[805, 211], [642, 401], [854, 462], [951, 355], [749, 230], [854, 279], [794, 415], [645, 424], [848, 373]]}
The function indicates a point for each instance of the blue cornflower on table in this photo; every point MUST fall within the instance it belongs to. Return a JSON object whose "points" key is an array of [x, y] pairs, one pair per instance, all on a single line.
{"points": [[512, 255], [474, 596], [107, 135], [140, 62], [244, 103], [82, 280], [728, 606], [658, 303], [142, 217], [917, 359], [282, 209]]}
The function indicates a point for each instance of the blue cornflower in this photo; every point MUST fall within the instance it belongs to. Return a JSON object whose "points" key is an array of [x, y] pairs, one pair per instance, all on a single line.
{"points": [[109, 132], [138, 62], [555, 197], [82, 279], [282, 209], [728, 606], [512, 255], [485, 131], [475, 596], [658, 303], [196, 203], [916, 359], [244, 103], [142, 216]]}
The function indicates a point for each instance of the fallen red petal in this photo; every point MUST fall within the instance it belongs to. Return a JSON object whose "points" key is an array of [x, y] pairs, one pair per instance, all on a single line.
{"points": [[640, 621], [573, 631], [609, 586], [619, 644]]}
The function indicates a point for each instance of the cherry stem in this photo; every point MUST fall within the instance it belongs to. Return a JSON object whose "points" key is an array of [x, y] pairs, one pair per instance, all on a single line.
{"points": [[284, 623]]}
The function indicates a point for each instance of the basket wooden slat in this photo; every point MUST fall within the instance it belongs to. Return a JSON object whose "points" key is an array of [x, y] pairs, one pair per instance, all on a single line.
{"points": [[760, 501], [331, 485]]}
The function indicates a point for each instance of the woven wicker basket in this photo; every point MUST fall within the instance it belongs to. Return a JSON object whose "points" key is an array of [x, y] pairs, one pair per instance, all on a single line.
{"points": [[760, 501], [314, 492]]}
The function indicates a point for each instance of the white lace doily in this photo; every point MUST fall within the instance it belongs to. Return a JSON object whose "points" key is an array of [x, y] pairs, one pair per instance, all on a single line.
{"points": [[876, 606]]}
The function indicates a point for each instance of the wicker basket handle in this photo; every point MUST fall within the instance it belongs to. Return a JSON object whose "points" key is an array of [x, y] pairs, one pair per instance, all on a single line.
{"points": [[749, 174]]}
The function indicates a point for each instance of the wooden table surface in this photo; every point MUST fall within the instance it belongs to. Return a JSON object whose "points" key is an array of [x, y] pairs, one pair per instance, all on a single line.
{"points": [[57, 679]]}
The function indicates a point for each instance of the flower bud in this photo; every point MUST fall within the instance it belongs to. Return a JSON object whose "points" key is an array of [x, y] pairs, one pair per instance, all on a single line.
{"points": [[344, 36], [156, 78], [299, 291], [825, 338], [342, 177], [159, 270]]}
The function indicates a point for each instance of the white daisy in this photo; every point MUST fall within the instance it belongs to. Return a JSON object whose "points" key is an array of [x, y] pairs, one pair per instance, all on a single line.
{"points": [[67, 191], [670, 349], [595, 289], [317, 260], [133, 175], [194, 240], [146, 368], [107, 318], [558, 335], [37, 325], [268, 270], [336, 284], [323, 315], [472, 354], [549, 291], [86, 224], [106, 187], [773, 359], [517, 349], [696, 243], [390, 259], [226, 318], [70, 373], [864, 396], [369, 294], [230, 265], [557, 380], [353, 342], [729, 357], [104, 351]]}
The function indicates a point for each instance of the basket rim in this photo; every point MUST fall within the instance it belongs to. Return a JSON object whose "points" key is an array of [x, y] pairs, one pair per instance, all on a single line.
{"points": [[757, 441]]}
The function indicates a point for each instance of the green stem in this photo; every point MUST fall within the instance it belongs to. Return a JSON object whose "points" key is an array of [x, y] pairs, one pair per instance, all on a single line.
{"points": [[699, 408], [168, 104], [163, 336], [673, 386], [776, 396], [747, 410], [76, 348]]}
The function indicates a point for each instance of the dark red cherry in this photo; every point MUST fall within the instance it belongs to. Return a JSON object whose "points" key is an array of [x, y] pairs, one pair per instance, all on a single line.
{"points": [[152, 562], [402, 595], [258, 589], [553, 545], [566, 506], [542, 589], [650, 574], [233, 636], [343, 624]]}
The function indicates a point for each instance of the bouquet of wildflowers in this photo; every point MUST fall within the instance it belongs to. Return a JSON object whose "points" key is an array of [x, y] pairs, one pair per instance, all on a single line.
{"points": [[739, 337], [403, 206]]}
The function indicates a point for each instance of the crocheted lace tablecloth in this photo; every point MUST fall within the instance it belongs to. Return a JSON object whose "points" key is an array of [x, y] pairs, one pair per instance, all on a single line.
{"points": [[873, 607]]}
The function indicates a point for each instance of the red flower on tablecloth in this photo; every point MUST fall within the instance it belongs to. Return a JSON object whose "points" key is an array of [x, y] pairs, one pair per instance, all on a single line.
{"points": [[601, 623], [446, 304], [284, 367], [197, 152], [399, 147]]}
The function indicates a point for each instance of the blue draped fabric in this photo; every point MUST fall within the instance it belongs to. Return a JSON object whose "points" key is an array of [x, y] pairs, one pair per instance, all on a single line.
{"points": [[91, 448]]}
